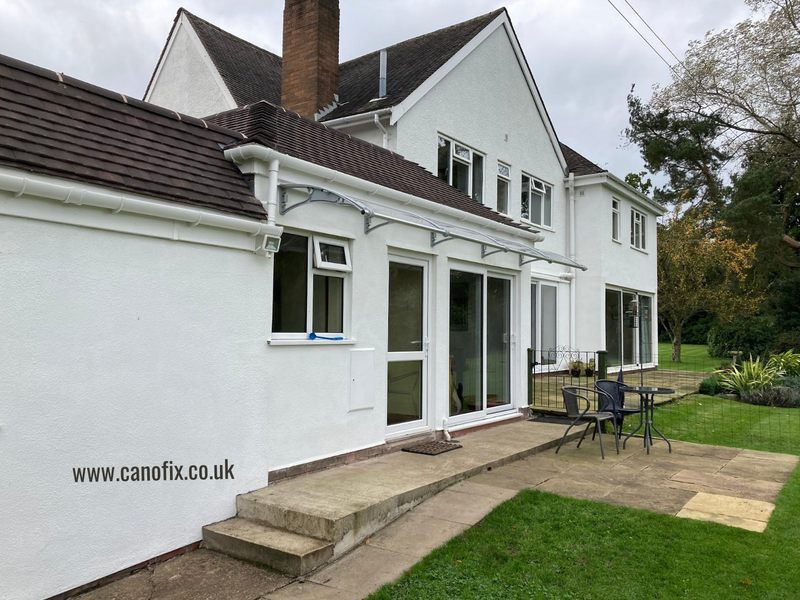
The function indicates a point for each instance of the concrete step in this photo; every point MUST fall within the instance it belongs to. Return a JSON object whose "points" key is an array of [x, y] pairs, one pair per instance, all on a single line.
{"points": [[343, 506], [282, 550]]}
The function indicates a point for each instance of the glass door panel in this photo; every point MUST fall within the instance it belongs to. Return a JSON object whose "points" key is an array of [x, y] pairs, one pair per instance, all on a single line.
{"points": [[629, 327], [466, 342], [613, 327], [405, 391], [646, 328], [498, 342]]}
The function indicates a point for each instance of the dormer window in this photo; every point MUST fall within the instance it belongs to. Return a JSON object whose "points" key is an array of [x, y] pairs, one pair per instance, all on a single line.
{"points": [[461, 167]]}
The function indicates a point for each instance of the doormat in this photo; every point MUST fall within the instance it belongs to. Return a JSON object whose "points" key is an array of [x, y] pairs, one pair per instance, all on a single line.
{"points": [[432, 448]]}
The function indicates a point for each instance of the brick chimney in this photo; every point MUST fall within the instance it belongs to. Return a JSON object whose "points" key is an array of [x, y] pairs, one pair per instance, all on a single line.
{"points": [[310, 72]]}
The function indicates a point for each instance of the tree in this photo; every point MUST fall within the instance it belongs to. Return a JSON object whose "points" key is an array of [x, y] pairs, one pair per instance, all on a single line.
{"points": [[638, 182], [745, 81], [700, 268]]}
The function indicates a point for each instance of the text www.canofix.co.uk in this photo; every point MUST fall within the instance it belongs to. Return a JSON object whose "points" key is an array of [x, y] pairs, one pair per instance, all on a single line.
{"points": [[163, 472]]}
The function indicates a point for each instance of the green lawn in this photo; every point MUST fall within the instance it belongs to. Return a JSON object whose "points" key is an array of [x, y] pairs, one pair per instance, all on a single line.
{"points": [[694, 357], [720, 421], [540, 545]]}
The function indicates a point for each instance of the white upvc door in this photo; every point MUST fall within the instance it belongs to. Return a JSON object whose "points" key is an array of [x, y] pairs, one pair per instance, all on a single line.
{"points": [[407, 356]]}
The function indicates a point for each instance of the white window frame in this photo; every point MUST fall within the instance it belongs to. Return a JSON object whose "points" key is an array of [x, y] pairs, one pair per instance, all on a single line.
{"points": [[615, 222], [539, 187], [504, 174], [312, 269], [326, 265], [536, 323], [638, 230], [470, 162]]}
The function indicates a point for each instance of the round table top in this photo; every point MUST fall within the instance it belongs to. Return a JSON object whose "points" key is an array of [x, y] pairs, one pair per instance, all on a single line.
{"points": [[648, 390]]}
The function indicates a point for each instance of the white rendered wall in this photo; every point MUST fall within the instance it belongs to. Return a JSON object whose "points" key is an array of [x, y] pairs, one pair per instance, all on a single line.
{"points": [[122, 350], [612, 264], [187, 82], [485, 103]]}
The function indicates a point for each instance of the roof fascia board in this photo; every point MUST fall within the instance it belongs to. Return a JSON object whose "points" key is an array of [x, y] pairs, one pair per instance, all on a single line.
{"points": [[122, 212], [617, 185], [246, 157], [183, 21], [400, 109], [359, 119]]}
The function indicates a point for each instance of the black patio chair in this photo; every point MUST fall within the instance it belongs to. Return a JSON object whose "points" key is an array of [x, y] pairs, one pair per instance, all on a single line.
{"points": [[572, 396], [615, 392]]}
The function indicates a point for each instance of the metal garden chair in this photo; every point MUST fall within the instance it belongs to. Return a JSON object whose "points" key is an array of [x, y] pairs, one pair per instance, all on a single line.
{"points": [[615, 392], [572, 397]]}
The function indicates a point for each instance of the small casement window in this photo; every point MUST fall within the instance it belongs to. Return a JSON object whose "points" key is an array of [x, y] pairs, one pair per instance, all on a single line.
{"points": [[503, 187], [537, 201], [638, 222], [310, 286], [461, 167], [615, 220]]}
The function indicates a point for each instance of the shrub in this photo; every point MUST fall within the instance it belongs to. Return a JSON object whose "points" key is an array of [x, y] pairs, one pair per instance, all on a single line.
{"points": [[788, 362], [792, 383], [787, 340], [781, 397], [712, 386], [751, 375], [750, 335]]}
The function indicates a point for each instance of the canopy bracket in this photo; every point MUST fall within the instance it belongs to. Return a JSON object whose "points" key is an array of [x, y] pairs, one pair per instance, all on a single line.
{"points": [[446, 237], [484, 252], [368, 223]]}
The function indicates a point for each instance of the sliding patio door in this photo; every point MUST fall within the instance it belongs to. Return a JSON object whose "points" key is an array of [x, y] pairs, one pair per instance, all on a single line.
{"points": [[480, 342]]}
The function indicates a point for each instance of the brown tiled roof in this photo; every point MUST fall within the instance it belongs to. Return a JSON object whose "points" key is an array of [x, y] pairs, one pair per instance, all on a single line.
{"points": [[408, 65], [252, 73], [56, 125], [302, 138], [579, 164]]}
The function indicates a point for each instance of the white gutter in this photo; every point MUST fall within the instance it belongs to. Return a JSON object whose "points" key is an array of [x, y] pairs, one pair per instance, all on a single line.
{"points": [[572, 253], [242, 154], [383, 131], [358, 119], [36, 187]]}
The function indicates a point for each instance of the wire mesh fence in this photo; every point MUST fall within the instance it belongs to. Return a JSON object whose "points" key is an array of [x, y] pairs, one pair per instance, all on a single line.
{"points": [[683, 413]]}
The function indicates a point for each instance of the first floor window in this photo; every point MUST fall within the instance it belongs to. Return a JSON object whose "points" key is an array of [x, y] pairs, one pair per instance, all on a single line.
{"points": [[537, 201], [615, 220], [461, 167], [309, 281], [638, 230], [503, 187]]}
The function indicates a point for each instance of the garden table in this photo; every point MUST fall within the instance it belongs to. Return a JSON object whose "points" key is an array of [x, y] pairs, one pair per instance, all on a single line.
{"points": [[646, 397]]}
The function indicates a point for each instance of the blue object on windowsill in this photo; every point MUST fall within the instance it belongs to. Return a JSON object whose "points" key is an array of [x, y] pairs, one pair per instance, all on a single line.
{"points": [[314, 336]]}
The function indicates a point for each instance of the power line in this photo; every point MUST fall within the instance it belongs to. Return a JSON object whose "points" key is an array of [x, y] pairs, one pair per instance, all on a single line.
{"points": [[663, 43], [640, 35]]}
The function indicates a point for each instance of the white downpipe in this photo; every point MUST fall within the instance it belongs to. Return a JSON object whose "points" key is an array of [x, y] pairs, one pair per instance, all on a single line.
{"points": [[34, 186], [383, 131], [272, 192], [242, 154], [572, 248]]}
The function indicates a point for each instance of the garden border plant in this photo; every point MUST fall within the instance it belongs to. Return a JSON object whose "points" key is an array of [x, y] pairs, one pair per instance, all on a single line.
{"points": [[775, 382]]}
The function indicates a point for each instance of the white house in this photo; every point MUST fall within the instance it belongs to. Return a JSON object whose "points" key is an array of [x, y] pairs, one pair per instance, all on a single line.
{"points": [[254, 294]]}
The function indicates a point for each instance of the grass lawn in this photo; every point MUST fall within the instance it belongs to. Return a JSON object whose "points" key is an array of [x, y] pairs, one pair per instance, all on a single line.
{"points": [[722, 422], [694, 357], [540, 545]]}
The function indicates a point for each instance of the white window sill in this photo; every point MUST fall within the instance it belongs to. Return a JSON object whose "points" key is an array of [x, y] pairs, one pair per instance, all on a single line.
{"points": [[639, 250], [317, 342], [617, 242]]}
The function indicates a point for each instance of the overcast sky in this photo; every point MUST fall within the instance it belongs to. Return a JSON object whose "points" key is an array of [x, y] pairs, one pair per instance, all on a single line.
{"points": [[583, 55]]}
